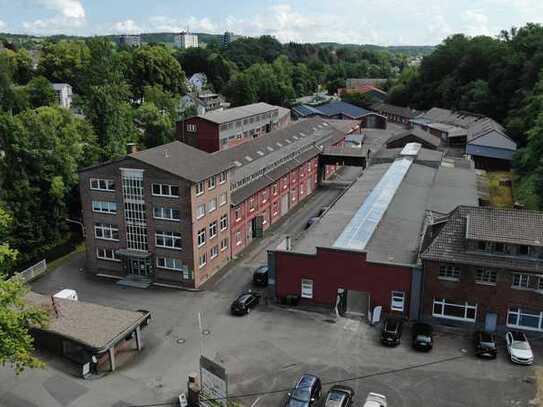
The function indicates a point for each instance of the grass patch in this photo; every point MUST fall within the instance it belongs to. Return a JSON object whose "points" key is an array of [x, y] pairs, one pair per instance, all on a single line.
{"points": [[499, 189]]}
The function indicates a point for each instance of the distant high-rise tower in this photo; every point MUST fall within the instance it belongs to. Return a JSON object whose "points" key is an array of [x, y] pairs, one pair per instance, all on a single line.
{"points": [[229, 37], [128, 40], [186, 39]]}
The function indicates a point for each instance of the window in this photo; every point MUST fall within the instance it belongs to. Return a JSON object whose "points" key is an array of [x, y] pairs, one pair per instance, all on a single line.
{"points": [[482, 246], [212, 182], [106, 254], [524, 250], [201, 237], [170, 263], [307, 288], [449, 310], [170, 191], [166, 214], [397, 302], [251, 204], [485, 276], [264, 197], [199, 188], [274, 189], [191, 127], [222, 177], [104, 207], [212, 230], [237, 213], [222, 199], [212, 205], [238, 238], [169, 240], [200, 211], [524, 319], [202, 260], [224, 244], [214, 252], [99, 184], [223, 224], [521, 280], [449, 272], [106, 231], [275, 208]]}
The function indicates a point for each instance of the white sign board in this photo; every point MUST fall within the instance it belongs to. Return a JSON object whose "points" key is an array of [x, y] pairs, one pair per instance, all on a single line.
{"points": [[214, 384]]}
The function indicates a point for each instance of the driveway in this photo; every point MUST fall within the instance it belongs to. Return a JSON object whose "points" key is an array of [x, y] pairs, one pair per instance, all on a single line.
{"points": [[265, 352]]}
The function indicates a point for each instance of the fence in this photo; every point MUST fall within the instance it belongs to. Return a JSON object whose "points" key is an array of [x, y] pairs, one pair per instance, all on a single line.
{"points": [[33, 271]]}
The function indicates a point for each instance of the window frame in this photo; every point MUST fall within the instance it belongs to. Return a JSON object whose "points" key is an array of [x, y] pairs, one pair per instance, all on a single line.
{"points": [[482, 273], [211, 208], [212, 185], [443, 275], [306, 288], [166, 236], [161, 188], [199, 188], [527, 314], [107, 212], [214, 252], [113, 229], [201, 237], [521, 277], [213, 230], [163, 210], [106, 258], [394, 301], [444, 303], [108, 182]]}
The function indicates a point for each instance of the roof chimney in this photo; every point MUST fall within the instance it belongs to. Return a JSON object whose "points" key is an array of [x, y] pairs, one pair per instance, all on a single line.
{"points": [[131, 148]]}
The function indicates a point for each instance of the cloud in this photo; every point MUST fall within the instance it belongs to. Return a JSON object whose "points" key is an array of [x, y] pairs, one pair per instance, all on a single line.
{"points": [[477, 23], [2, 25], [68, 15], [170, 24], [126, 27]]}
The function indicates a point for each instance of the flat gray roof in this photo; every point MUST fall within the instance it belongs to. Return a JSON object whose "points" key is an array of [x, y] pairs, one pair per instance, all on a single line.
{"points": [[453, 186], [236, 113]]}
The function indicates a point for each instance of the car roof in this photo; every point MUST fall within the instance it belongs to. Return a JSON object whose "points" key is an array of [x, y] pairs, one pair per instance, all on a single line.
{"points": [[307, 380], [342, 389], [245, 297], [518, 336], [486, 336], [262, 269]]}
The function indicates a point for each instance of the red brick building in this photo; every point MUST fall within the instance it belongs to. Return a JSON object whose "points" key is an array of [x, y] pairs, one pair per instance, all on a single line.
{"points": [[484, 269], [223, 129]]}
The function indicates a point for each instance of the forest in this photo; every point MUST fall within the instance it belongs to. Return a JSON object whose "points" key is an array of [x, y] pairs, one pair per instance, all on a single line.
{"points": [[498, 77]]}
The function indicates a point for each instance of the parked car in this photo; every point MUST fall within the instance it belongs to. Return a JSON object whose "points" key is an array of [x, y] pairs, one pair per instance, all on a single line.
{"points": [[244, 303], [519, 348], [485, 344], [311, 221], [339, 396], [422, 336], [306, 392], [260, 276], [392, 331], [375, 400]]}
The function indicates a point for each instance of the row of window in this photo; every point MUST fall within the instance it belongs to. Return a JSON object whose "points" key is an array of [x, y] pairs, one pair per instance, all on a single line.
{"points": [[214, 252], [211, 206], [163, 190], [250, 120], [211, 183], [173, 264], [508, 249], [211, 230]]}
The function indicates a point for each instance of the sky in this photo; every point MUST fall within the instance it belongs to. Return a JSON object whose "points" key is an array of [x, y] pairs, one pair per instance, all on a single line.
{"points": [[381, 22]]}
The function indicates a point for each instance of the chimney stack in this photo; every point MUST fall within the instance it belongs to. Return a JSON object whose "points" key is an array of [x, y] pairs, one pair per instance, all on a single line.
{"points": [[131, 148]]}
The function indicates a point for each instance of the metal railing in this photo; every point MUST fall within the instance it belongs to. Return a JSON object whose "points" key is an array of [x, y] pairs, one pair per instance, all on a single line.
{"points": [[32, 272]]}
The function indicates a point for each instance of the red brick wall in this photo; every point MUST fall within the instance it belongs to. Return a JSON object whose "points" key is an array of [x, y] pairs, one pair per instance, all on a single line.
{"points": [[206, 137], [487, 297], [331, 269]]}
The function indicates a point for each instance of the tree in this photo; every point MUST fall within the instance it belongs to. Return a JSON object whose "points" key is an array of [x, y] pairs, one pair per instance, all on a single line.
{"points": [[158, 125], [358, 99], [40, 92], [16, 343], [240, 90]]}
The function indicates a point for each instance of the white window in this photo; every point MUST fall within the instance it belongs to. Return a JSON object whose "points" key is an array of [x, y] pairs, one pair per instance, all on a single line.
{"points": [[199, 188], [521, 280], [106, 254], [167, 214], [212, 182], [223, 223], [397, 301], [222, 199], [224, 244], [449, 272], [525, 319], [214, 252], [307, 288], [166, 190], [104, 207], [191, 127], [106, 231], [449, 310], [251, 204], [169, 263], [238, 238], [202, 260], [274, 189], [222, 177], [200, 211], [485, 276], [212, 205], [99, 184], [212, 229], [169, 240], [201, 237], [237, 213]]}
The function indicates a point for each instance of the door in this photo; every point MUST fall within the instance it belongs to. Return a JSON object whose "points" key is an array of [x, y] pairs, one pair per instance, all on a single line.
{"points": [[491, 319], [284, 204], [258, 226]]}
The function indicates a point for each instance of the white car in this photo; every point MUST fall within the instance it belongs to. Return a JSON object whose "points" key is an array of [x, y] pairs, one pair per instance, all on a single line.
{"points": [[375, 400], [519, 348]]}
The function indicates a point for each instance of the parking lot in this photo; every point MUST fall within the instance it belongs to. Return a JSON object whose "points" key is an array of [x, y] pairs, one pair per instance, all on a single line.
{"points": [[265, 352]]}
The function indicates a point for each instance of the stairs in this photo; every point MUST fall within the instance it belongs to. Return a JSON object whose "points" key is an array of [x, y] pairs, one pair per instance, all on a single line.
{"points": [[135, 281]]}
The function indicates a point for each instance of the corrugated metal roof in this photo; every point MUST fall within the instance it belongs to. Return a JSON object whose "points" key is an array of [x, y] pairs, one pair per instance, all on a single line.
{"points": [[236, 113]]}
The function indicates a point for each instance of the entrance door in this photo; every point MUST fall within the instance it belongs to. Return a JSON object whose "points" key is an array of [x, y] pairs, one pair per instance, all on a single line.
{"points": [[284, 204], [491, 319], [257, 226], [139, 268]]}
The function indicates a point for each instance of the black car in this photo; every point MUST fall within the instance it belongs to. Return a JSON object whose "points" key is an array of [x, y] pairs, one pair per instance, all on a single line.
{"points": [[306, 393], [422, 336], [311, 221], [392, 331], [485, 344], [244, 303], [339, 396], [260, 276]]}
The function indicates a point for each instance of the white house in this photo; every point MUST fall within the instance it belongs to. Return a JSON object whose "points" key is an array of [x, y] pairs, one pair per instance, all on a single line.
{"points": [[64, 94]]}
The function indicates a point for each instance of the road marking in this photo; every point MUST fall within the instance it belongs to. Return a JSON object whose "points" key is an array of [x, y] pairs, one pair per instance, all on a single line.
{"points": [[256, 401]]}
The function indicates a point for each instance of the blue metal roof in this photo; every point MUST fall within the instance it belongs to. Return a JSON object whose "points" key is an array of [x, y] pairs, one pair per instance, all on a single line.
{"points": [[305, 110], [331, 109], [491, 152]]}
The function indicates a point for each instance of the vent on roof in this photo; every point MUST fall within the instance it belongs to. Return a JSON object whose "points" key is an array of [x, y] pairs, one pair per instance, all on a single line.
{"points": [[279, 144], [270, 148], [302, 134], [320, 126], [287, 140], [260, 153], [295, 137], [237, 164], [249, 159], [325, 124]]}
